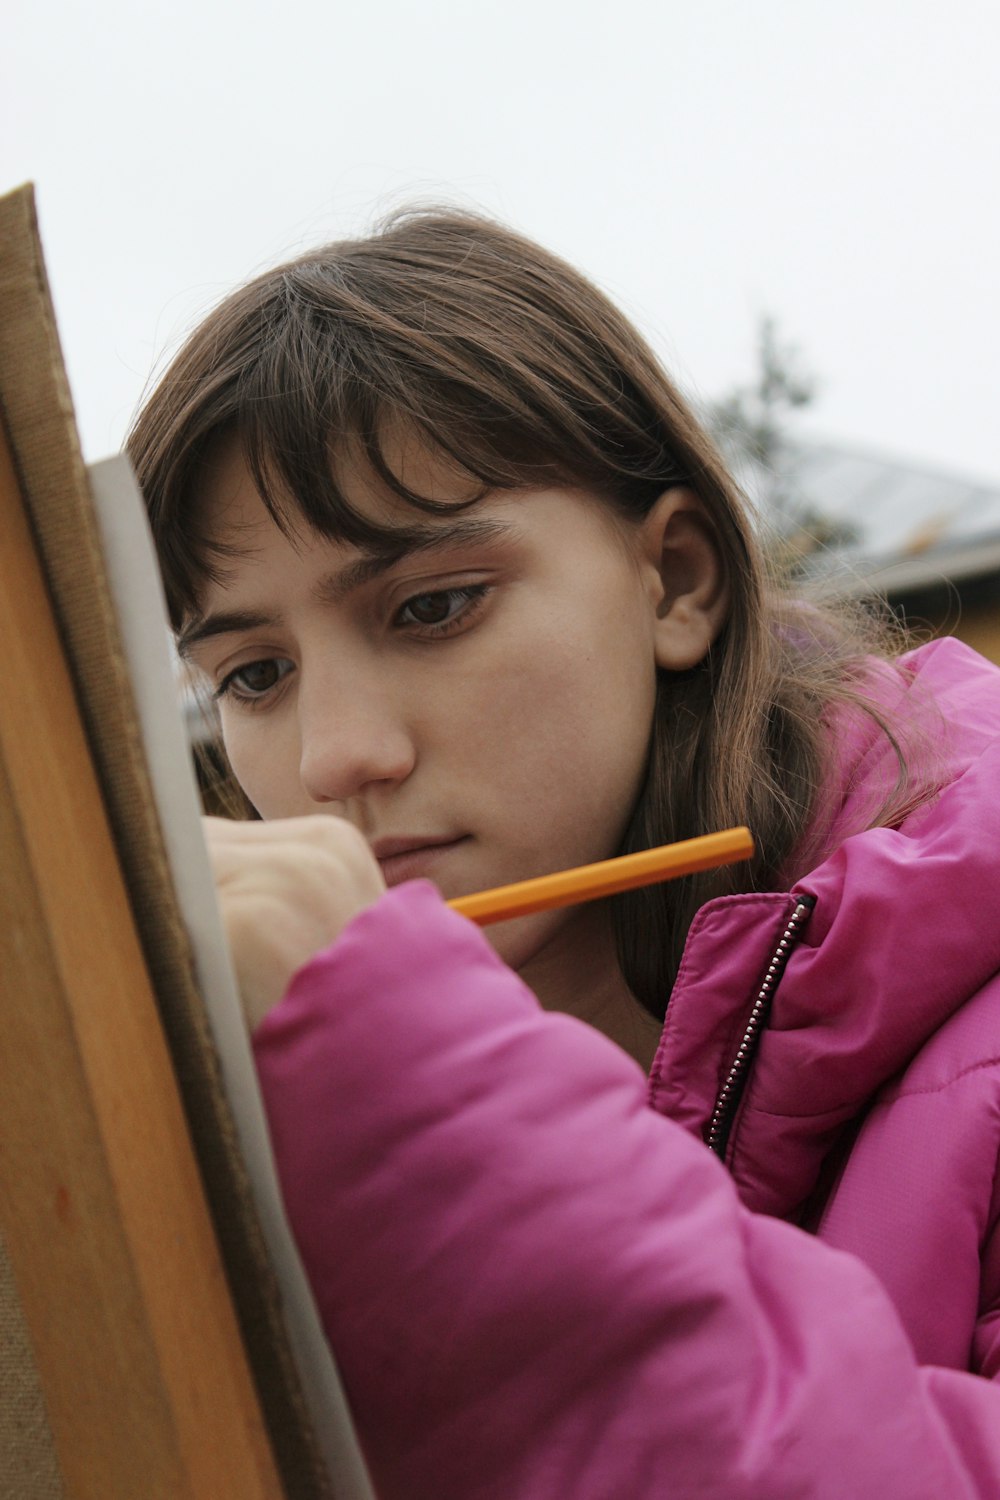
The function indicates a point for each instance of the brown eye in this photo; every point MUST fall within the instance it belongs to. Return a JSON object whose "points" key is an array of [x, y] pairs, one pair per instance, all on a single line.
{"points": [[254, 680], [430, 609], [258, 676], [442, 612]]}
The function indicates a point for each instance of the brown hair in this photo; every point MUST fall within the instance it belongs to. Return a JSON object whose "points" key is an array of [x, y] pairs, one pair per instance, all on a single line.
{"points": [[512, 365]]}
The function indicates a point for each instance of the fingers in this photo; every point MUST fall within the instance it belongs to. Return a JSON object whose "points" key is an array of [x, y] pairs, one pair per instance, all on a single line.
{"points": [[286, 890]]}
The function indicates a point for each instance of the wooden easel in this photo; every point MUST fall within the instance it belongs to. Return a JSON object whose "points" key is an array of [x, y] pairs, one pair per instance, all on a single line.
{"points": [[143, 1354], [145, 1382]]}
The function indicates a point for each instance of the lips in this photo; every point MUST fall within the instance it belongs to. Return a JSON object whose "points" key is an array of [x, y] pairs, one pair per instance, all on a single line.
{"points": [[414, 857]]}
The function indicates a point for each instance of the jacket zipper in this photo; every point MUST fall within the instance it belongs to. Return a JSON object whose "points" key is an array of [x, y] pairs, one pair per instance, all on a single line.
{"points": [[724, 1112]]}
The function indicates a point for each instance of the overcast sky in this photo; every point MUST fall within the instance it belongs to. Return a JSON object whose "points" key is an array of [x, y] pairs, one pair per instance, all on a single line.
{"points": [[837, 165]]}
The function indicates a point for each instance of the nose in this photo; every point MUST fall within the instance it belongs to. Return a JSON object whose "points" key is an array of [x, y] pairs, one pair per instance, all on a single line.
{"points": [[353, 735]]}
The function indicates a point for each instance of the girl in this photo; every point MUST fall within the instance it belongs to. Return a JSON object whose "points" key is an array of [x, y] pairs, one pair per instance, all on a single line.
{"points": [[477, 601]]}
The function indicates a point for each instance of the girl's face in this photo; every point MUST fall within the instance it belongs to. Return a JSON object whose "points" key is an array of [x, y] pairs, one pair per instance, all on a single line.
{"points": [[479, 708]]}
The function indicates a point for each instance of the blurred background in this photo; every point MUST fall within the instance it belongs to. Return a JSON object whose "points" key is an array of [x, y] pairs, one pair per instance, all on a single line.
{"points": [[797, 203]]}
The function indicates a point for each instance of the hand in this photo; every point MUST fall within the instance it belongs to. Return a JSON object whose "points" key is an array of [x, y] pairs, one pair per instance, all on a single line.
{"points": [[286, 889]]}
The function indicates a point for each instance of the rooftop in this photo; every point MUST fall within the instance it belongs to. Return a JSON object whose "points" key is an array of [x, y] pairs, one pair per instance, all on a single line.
{"points": [[866, 522]]}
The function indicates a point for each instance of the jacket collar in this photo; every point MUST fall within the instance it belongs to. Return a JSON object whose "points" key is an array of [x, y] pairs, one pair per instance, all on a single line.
{"points": [[906, 927]]}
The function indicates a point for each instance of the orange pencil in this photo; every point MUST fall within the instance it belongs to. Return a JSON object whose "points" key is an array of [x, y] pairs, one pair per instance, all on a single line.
{"points": [[606, 878]]}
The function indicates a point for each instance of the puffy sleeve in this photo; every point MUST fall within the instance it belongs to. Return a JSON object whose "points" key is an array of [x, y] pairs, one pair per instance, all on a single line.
{"points": [[537, 1287]]}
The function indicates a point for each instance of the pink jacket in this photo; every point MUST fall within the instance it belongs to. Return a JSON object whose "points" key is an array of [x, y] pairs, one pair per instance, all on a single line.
{"points": [[539, 1282]]}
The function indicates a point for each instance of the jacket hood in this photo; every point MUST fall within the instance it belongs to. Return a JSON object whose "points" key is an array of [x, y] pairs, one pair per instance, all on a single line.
{"points": [[905, 929]]}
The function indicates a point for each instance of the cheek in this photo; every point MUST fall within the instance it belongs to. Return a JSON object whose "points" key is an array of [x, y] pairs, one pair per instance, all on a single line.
{"points": [[571, 709], [562, 747], [264, 765]]}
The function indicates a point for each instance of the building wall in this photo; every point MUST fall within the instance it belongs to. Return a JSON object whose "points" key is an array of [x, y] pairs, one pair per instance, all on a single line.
{"points": [[981, 629], [971, 614]]}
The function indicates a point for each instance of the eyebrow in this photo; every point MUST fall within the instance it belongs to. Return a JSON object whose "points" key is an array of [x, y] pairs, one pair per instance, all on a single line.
{"points": [[337, 586]]}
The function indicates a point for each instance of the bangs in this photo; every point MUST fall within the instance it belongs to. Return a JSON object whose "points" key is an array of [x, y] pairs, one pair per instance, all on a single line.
{"points": [[327, 425], [341, 383], [445, 335]]}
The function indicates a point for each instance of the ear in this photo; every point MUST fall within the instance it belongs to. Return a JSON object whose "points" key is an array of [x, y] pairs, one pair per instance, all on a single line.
{"points": [[688, 588]]}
